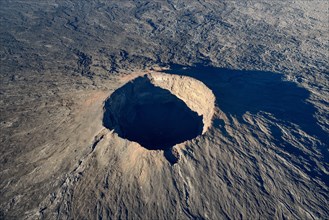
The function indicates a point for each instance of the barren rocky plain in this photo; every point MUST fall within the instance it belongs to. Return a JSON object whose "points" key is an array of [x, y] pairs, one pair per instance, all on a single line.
{"points": [[177, 109]]}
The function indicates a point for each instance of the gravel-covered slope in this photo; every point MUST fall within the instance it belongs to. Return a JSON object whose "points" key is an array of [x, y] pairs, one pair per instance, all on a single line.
{"points": [[264, 157]]}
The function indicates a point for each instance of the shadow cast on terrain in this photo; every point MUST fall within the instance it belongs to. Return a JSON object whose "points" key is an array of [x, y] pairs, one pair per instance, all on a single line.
{"points": [[239, 91]]}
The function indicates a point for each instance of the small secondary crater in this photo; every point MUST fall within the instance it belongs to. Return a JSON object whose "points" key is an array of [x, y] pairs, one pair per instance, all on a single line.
{"points": [[143, 112]]}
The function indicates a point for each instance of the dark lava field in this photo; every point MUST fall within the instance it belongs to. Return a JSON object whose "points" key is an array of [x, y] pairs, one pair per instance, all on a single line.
{"points": [[164, 109]]}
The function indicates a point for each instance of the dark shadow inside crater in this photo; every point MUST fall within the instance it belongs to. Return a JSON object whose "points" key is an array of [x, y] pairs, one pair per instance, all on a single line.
{"points": [[150, 116]]}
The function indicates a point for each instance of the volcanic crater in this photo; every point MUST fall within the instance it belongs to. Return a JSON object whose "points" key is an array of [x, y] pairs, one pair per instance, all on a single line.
{"points": [[159, 110]]}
